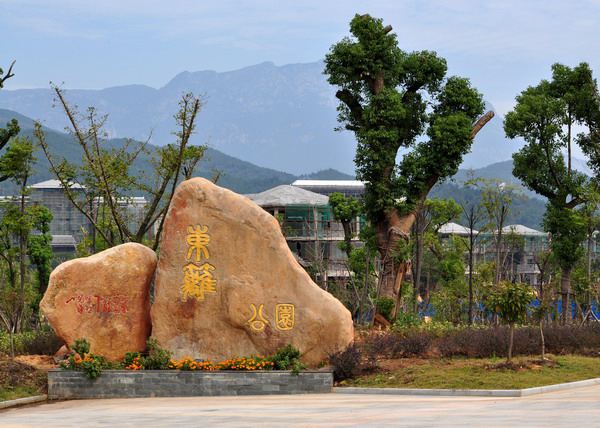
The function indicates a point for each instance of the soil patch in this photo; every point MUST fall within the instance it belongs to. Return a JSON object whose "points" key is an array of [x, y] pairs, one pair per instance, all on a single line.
{"points": [[40, 362], [522, 365], [18, 379]]}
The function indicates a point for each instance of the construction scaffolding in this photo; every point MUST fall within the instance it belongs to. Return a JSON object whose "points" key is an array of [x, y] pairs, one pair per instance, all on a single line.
{"points": [[310, 230]]}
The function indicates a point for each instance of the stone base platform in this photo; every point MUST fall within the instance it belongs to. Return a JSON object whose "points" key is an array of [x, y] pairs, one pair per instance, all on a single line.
{"points": [[70, 384]]}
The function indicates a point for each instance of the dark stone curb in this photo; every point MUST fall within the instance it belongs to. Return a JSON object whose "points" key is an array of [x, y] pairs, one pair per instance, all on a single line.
{"points": [[68, 384], [470, 392], [22, 401]]}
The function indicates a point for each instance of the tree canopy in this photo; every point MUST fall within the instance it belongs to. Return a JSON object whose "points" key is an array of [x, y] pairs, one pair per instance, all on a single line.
{"points": [[545, 116], [395, 100], [390, 99], [101, 187]]}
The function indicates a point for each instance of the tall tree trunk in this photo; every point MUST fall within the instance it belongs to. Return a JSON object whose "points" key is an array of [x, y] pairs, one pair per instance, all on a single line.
{"points": [[11, 336], [569, 144], [498, 255], [393, 228], [366, 283], [510, 341], [588, 301], [392, 231], [347, 237], [418, 268], [565, 288], [471, 250], [543, 341], [22, 268], [22, 241]]}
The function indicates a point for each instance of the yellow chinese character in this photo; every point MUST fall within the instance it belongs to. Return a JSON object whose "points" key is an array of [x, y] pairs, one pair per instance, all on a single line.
{"points": [[198, 239], [197, 281], [258, 321], [284, 316]]}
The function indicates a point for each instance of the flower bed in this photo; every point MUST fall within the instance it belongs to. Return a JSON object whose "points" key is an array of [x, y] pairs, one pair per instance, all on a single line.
{"points": [[156, 358], [156, 374]]}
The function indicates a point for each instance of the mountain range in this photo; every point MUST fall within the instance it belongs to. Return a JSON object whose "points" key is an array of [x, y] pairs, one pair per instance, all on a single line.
{"points": [[278, 117], [235, 174]]}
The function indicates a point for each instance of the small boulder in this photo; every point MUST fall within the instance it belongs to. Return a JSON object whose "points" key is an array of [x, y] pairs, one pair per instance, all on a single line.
{"points": [[228, 285], [62, 354], [104, 298]]}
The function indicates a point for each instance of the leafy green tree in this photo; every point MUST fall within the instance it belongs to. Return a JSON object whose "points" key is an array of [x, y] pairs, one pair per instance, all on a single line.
{"points": [[345, 210], [17, 163], [101, 188], [483, 284], [473, 212], [432, 214], [40, 244], [591, 218], [359, 294], [545, 116], [385, 94], [16, 227], [510, 301], [24, 236], [497, 198], [450, 297], [539, 314], [12, 128]]}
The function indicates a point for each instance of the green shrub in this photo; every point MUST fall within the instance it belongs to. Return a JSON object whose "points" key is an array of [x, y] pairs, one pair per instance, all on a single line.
{"points": [[385, 307], [287, 358], [438, 328], [38, 342], [406, 320], [510, 301], [346, 364], [129, 358], [157, 358], [81, 346], [92, 365]]}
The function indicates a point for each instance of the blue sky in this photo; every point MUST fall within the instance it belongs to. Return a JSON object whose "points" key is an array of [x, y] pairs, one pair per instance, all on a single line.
{"points": [[503, 46]]}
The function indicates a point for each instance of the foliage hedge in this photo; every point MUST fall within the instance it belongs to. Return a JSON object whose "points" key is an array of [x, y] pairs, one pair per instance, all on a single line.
{"points": [[42, 342]]}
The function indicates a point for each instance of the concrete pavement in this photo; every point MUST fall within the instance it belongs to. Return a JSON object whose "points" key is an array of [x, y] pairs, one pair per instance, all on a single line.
{"points": [[576, 407]]}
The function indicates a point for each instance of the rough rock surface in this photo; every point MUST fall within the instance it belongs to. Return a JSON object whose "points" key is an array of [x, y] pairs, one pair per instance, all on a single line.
{"points": [[104, 298], [227, 284]]}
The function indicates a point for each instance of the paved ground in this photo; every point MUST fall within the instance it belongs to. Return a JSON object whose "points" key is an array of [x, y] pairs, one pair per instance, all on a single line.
{"points": [[577, 407]]}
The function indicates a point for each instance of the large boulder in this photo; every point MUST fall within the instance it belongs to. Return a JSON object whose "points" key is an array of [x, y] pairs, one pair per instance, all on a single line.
{"points": [[227, 284], [104, 298]]}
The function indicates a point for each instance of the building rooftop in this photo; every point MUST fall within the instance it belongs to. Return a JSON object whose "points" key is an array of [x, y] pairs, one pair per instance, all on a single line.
{"points": [[53, 184], [455, 229], [519, 229], [332, 183], [285, 195]]}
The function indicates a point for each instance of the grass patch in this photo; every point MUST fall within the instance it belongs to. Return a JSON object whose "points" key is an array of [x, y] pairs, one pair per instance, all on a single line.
{"points": [[484, 373], [13, 393]]}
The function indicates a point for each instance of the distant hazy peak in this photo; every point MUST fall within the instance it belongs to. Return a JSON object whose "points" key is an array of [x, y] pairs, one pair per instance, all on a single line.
{"points": [[277, 116]]}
